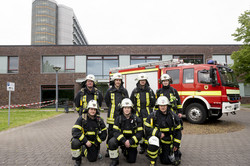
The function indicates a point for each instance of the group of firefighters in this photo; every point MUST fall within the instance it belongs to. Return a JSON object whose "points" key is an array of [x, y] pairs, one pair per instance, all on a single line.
{"points": [[153, 121]]}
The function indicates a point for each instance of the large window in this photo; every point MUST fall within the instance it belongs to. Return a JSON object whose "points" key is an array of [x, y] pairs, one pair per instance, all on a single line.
{"points": [[67, 63], [174, 74], [195, 59], [223, 59], [137, 59], [100, 65], [12, 64]]}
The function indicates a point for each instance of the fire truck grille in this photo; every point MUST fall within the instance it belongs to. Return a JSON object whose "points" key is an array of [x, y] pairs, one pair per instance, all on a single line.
{"points": [[234, 97]]}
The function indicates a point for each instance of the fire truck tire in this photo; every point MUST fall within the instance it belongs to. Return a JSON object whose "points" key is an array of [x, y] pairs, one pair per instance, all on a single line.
{"points": [[196, 113]]}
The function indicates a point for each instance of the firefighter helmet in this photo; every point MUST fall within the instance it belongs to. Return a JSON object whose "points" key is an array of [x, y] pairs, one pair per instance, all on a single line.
{"points": [[165, 77], [117, 76], [162, 100], [141, 76], [126, 103], [90, 77], [153, 140], [92, 104]]}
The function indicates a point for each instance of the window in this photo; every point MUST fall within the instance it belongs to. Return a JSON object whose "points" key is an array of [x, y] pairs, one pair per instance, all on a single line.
{"points": [[67, 63], [100, 65], [195, 59], [174, 74], [12, 64], [188, 76], [204, 76], [137, 59], [223, 59]]}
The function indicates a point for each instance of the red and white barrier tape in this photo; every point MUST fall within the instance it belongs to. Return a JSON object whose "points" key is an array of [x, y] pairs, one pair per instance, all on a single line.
{"points": [[25, 105]]}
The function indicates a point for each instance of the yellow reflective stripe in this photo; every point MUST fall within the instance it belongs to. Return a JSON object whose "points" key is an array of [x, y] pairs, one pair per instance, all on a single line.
{"points": [[81, 102], [152, 153], [139, 128], [112, 105], [179, 106], [164, 129], [166, 142], [147, 99], [93, 142], [95, 97], [85, 152], [161, 94], [147, 108], [120, 136], [152, 122], [98, 139], [137, 114], [232, 91], [144, 120], [127, 131], [90, 133], [146, 141], [78, 127], [148, 125], [81, 138], [134, 146], [135, 139], [110, 120], [116, 127], [178, 127], [104, 129], [77, 109], [84, 101], [138, 100], [154, 131], [201, 93], [177, 140]]}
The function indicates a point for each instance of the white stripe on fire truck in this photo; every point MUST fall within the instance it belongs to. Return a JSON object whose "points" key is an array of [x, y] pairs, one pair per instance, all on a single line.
{"points": [[232, 91]]}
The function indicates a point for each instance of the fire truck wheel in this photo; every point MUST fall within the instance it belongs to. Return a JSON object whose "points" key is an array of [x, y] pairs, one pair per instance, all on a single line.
{"points": [[196, 113]]}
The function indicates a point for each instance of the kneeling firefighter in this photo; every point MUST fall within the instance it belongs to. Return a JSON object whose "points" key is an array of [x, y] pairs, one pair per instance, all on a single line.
{"points": [[163, 130], [127, 131], [88, 133]]}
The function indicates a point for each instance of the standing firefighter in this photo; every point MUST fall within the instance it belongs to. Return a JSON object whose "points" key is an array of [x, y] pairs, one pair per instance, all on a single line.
{"points": [[88, 134], [163, 130], [87, 93], [127, 131], [143, 98], [113, 98], [172, 94]]}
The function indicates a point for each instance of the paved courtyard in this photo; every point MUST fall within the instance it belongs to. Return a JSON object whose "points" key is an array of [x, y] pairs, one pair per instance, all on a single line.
{"points": [[47, 142]]}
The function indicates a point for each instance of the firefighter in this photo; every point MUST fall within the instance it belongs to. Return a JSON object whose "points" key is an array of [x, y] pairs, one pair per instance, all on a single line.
{"points": [[171, 93], [87, 93], [88, 134], [127, 131], [113, 98], [163, 130]]}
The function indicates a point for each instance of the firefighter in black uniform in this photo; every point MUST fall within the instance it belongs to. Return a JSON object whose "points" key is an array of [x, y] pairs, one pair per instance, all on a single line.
{"points": [[113, 98], [172, 95], [88, 134], [127, 131], [163, 130], [87, 93], [143, 98]]}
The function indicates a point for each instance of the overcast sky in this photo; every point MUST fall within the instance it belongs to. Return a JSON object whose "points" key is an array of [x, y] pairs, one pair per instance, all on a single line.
{"points": [[135, 21]]}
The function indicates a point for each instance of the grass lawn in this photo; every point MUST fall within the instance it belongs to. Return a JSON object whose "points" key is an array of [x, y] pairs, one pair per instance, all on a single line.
{"points": [[20, 117]]}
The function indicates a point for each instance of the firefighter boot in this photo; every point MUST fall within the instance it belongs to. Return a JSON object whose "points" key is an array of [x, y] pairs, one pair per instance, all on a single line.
{"points": [[114, 162], [78, 162]]}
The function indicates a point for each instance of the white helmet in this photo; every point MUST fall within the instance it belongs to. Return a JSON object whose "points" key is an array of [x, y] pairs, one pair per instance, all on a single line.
{"points": [[141, 76], [165, 77], [90, 77], [92, 104], [162, 100], [117, 76], [153, 140], [126, 103]]}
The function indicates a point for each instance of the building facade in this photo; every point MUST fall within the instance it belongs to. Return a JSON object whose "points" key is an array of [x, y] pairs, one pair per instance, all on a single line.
{"points": [[31, 67], [55, 24]]}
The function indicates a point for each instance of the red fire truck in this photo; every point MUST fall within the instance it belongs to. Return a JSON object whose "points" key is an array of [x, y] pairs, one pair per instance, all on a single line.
{"points": [[206, 90]]}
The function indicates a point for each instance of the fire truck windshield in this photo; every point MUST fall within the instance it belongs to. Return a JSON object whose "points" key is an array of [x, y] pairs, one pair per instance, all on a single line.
{"points": [[227, 77]]}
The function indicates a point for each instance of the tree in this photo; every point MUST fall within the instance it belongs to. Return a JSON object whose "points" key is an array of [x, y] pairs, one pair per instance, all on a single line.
{"points": [[241, 57]]}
